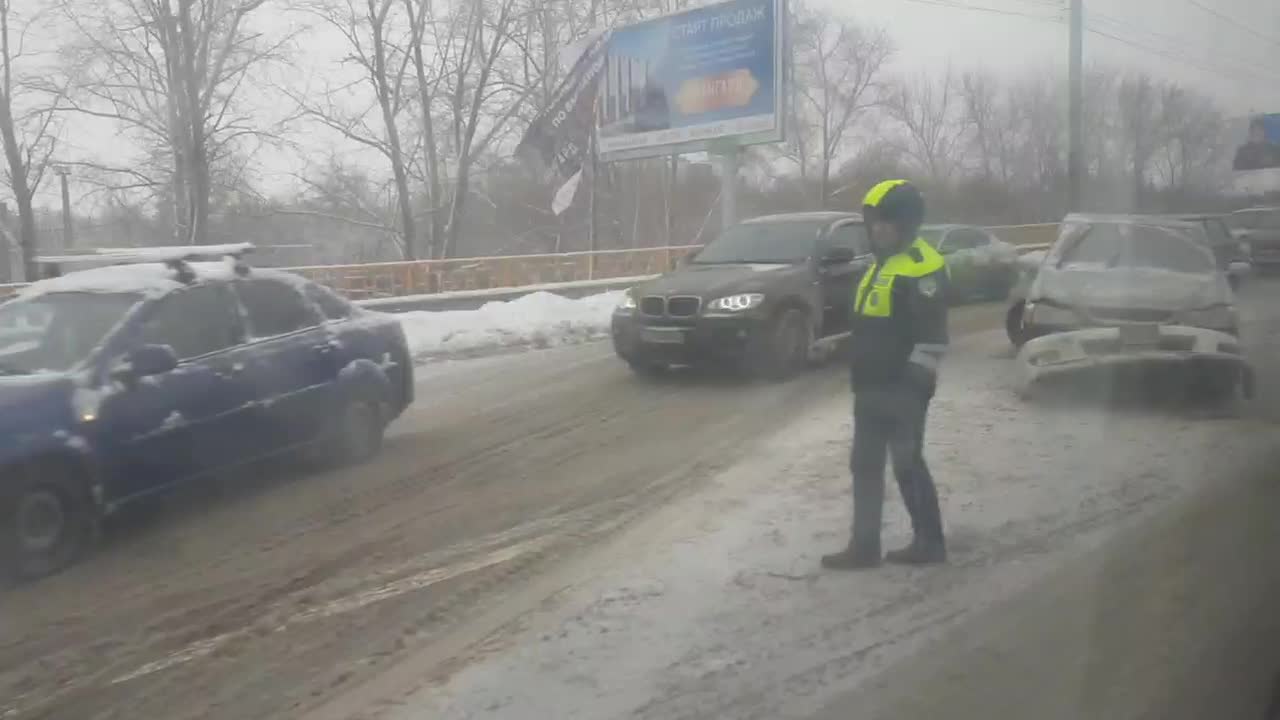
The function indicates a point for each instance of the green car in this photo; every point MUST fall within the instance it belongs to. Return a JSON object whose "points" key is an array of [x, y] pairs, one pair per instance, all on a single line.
{"points": [[982, 266]]}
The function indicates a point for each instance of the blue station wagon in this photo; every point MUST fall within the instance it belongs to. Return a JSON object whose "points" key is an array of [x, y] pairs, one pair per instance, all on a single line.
{"points": [[121, 381]]}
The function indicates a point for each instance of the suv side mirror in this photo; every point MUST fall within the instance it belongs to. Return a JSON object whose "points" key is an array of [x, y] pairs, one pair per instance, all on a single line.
{"points": [[838, 256], [146, 361]]}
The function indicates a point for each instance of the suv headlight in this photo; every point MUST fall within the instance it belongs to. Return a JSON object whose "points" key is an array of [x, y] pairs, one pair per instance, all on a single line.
{"points": [[627, 303], [1218, 317], [1050, 314], [736, 303]]}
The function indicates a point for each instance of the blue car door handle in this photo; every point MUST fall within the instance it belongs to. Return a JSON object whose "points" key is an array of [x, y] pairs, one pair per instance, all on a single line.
{"points": [[230, 370]]}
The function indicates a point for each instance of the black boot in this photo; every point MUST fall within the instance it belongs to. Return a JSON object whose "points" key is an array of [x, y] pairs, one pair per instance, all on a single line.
{"points": [[852, 558], [919, 552]]}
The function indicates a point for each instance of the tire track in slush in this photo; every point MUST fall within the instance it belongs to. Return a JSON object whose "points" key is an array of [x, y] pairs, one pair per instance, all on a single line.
{"points": [[202, 650]]}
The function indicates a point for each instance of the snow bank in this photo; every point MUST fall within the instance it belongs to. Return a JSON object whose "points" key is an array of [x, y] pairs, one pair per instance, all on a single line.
{"points": [[536, 320], [716, 606]]}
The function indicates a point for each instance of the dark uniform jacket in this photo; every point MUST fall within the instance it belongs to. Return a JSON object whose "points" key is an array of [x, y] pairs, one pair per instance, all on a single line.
{"points": [[900, 319]]}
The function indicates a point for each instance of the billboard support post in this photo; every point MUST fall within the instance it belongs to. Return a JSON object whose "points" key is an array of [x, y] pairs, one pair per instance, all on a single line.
{"points": [[729, 161]]}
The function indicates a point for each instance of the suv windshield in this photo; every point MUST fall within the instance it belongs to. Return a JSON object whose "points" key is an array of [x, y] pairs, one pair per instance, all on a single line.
{"points": [[770, 243], [58, 331], [1138, 246]]}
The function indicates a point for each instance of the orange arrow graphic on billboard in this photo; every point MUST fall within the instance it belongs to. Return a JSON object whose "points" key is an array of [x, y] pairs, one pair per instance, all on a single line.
{"points": [[732, 89]]}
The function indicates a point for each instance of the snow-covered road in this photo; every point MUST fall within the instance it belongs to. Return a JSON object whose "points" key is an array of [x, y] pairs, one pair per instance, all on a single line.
{"points": [[716, 608], [547, 536]]}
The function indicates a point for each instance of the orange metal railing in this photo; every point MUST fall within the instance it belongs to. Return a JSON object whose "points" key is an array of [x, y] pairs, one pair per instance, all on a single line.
{"points": [[423, 277]]}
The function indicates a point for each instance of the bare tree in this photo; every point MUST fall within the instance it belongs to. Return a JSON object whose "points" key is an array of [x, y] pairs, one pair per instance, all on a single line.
{"points": [[172, 76], [1137, 103], [1039, 157], [1194, 129], [993, 124], [378, 37], [927, 109], [838, 69], [28, 130], [476, 86], [1104, 143], [428, 87]]}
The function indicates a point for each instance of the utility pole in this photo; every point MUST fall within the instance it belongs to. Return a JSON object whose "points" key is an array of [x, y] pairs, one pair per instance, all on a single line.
{"points": [[68, 232], [592, 168], [673, 172], [1075, 120], [6, 245]]}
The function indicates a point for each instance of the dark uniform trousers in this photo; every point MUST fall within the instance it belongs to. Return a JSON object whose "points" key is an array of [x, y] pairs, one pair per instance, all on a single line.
{"points": [[889, 420]]}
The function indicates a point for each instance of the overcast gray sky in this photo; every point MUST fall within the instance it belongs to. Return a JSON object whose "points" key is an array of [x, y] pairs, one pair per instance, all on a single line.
{"points": [[1228, 48], [1179, 40]]}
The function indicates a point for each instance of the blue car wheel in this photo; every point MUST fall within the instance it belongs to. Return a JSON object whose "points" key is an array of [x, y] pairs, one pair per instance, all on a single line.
{"points": [[47, 520]]}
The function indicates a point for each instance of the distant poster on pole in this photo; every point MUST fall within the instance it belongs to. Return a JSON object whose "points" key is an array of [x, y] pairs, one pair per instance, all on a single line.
{"points": [[1261, 149], [694, 80]]}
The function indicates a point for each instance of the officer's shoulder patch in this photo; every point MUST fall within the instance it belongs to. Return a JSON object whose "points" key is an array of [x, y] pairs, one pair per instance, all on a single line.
{"points": [[915, 254], [928, 286]]}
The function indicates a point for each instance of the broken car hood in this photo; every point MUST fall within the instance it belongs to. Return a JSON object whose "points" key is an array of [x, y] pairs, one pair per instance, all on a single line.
{"points": [[1129, 288]]}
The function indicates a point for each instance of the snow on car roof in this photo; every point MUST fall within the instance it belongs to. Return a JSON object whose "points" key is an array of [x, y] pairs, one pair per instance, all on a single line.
{"points": [[150, 279], [1127, 219], [814, 216]]}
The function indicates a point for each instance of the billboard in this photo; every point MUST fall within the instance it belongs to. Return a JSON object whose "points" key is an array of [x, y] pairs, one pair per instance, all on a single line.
{"points": [[1261, 148], [690, 81]]}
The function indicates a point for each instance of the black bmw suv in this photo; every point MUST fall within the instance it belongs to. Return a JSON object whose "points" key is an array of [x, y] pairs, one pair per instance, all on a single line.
{"points": [[759, 297]]}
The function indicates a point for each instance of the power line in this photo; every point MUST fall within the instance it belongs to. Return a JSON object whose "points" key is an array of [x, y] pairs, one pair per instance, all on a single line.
{"points": [[1048, 4], [1176, 45], [1230, 73], [1232, 21], [1226, 73], [979, 8]]}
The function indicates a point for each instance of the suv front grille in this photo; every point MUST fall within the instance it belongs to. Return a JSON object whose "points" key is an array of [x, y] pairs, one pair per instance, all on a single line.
{"points": [[683, 306], [676, 306]]}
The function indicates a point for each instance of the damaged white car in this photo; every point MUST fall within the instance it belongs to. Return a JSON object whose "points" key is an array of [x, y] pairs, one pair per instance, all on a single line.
{"points": [[1133, 300]]}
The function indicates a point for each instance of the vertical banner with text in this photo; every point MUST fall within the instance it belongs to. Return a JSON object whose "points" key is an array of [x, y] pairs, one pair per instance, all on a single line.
{"points": [[557, 142]]}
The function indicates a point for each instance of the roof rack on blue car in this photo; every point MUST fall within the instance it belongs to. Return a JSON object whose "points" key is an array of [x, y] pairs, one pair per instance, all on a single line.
{"points": [[177, 258]]}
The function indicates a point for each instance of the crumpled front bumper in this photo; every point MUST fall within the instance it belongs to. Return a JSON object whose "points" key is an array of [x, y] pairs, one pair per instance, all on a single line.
{"points": [[1132, 348]]}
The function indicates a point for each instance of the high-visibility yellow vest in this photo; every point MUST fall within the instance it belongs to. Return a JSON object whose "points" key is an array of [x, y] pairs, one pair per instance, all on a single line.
{"points": [[874, 294]]}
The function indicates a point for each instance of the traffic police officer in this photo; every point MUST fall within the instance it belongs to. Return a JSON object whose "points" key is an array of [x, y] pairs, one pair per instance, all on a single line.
{"points": [[898, 340]]}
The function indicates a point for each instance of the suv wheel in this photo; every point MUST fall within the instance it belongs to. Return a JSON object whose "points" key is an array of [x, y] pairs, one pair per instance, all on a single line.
{"points": [[47, 520], [355, 434], [1013, 326], [784, 347]]}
